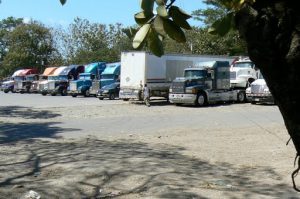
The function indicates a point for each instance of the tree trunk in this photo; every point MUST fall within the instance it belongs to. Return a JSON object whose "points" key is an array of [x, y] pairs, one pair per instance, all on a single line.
{"points": [[271, 30]]}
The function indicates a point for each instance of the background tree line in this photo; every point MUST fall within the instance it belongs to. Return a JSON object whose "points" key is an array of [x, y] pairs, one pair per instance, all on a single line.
{"points": [[36, 45]]}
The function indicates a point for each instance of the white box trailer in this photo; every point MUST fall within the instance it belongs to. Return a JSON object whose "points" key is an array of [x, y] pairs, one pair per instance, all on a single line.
{"points": [[140, 68]]}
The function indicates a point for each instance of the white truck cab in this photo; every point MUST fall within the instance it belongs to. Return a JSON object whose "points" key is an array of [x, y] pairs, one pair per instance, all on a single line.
{"points": [[242, 73]]}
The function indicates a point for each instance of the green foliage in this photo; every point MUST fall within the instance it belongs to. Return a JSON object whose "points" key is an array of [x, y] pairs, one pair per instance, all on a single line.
{"points": [[63, 2], [84, 41], [168, 22], [29, 45]]}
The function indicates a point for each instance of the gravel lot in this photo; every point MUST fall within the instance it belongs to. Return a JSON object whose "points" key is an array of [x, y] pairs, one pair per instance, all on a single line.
{"points": [[64, 147]]}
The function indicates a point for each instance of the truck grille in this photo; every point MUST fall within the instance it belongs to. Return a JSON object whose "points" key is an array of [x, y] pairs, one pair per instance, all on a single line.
{"points": [[51, 85], [178, 87], [257, 89], [232, 75], [73, 86], [95, 86]]}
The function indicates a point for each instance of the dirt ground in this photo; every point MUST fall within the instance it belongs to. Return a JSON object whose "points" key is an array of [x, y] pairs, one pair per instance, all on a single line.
{"points": [[64, 147]]}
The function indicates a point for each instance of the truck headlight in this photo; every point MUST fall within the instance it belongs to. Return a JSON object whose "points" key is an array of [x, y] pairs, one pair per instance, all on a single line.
{"points": [[248, 90], [191, 90], [266, 90], [170, 90]]}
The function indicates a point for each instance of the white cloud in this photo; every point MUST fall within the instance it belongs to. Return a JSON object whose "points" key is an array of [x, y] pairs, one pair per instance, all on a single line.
{"points": [[27, 20]]}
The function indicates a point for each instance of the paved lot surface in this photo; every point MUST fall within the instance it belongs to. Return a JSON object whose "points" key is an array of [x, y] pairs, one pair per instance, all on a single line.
{"points": [[64, 147]]}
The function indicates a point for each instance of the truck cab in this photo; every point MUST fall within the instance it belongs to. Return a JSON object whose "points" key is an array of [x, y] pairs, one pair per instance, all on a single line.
{"points": [[9, 84], [258, 92], [46, 86], [28, 82], [110, 75], [203, 83], [61, 84], [242, 73], [35, 84], [23, 85], [82, 85]]}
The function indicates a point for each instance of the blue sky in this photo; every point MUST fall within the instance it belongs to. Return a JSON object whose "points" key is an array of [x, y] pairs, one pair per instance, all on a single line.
{"points": [[50, 12]]}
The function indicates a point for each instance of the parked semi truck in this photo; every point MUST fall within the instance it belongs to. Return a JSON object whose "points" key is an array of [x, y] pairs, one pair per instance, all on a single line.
{"points": [[8, 86], [140, 68], [35, 84], [205, 83], [23, 84], [258, 92], [110, 75], [91, 73], [242, 73], [47, 85], [61, 83]]}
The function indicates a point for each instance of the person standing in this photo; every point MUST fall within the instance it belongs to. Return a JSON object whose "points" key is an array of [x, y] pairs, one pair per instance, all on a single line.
{"points": [[146, 93]]}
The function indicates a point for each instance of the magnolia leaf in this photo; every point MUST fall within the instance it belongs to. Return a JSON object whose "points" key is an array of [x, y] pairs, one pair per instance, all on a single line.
{"points": [[180, 12], [223, 25], [162, 11], [63, 2], [161, 2], [179, 19], [147, 6], [142, 18], [141, 35], [174, 31], [155, 43], [130, 32], [158, 25]]}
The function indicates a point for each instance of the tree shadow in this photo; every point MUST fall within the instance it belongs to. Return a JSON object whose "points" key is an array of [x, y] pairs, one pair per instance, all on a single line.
{"points": [[26, 113], [12, 132], [91, 168]]}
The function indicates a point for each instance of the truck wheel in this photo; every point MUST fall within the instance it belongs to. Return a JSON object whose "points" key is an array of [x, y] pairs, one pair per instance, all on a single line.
{"points": [[201, 99], [63, 92], [100, 98], [241, 96], [74, 95], [253, 102], [86, 93], [112, 96], [44, 93], [6, 91], [53, 94], [21, 92], [125, 99]]}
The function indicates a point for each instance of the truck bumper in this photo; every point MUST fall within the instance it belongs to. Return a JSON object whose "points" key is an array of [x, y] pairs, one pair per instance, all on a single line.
{"points": [[260, 98], [182, 98], [130, 94]]}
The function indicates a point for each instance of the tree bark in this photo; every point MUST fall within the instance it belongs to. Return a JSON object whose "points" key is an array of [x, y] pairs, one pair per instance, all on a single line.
{"points": [[272, 32]]}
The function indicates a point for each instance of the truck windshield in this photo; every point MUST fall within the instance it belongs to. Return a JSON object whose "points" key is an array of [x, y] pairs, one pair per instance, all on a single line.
{"points": [[108, 76], [52, 77], [18, 78], [195, 73], [63, 77], [244, 64], [30, 78], [83, 77]]}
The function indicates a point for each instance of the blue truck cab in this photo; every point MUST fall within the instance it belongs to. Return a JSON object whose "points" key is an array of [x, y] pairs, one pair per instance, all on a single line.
{"points": [[109, 76], [61, 84], [82, 85]]}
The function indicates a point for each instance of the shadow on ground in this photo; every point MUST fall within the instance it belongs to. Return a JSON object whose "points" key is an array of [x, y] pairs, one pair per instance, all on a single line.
{"points": [[93, 168], [14, 132], [26, 112]]}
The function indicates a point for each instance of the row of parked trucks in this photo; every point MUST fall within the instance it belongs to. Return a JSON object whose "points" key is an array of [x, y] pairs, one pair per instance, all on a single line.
{"points": [[182, 79], [74, 79]]}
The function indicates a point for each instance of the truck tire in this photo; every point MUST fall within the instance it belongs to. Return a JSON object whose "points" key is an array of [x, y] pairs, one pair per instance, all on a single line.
{"points": [[63, 92], [241, 97], [201, 100], [74, 95], [53, 93], [86, 93], [100, 98], [6, 91], [112, 96], [125, 99], [253, 102], [44, 93]]}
